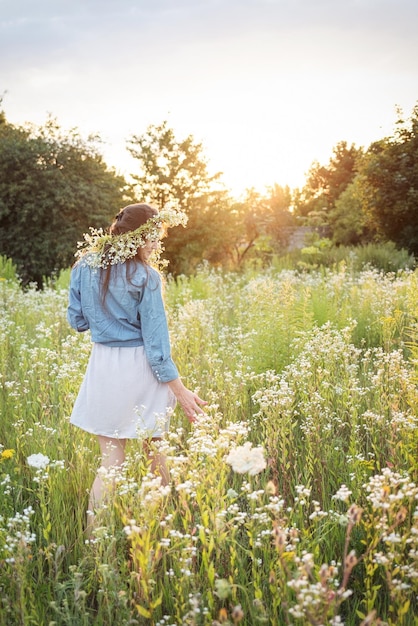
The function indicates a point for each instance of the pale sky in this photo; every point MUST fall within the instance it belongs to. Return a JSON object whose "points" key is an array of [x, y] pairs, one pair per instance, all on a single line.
{"points": [[267, 86]]}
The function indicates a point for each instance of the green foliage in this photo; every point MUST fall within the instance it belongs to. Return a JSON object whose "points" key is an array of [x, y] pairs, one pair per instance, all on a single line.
{"points": [[172, 170], [261, 227], [52, 188], [347, 220], [278, 220], [389, 185], [7, 269], [325, 184], [59, 282], [386, 257], [322, 253]]}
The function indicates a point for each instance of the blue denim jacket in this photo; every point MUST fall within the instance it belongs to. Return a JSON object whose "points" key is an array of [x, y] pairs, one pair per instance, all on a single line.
{"points": [[133, 314]]}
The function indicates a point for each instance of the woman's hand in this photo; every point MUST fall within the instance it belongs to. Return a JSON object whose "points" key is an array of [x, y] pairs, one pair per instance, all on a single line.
{"points": [[188, 400]]}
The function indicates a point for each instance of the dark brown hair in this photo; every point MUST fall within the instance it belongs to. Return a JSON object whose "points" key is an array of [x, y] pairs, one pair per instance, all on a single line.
{"points": [[132, 217], [129, 218]]}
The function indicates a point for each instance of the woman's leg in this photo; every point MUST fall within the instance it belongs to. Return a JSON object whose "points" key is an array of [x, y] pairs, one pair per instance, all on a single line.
{"points": [[113, 456]]}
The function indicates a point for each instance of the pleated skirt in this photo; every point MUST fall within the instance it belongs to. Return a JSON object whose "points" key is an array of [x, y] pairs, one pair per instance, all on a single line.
{"points": [[120, 397]]}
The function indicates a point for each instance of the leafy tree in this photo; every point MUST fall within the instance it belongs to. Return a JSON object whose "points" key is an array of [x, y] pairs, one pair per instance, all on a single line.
{"points": [[239, 226], [279, 220], [172, 171], [176, 172], [347, 220], [389, 184], [265, 223], [52, 188], [325, 184]]}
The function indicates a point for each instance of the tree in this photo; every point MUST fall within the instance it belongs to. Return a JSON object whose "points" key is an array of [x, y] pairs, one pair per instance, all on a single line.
{"points": [[172, 171], [238, 225], [325, 184], [389, 184], [279, 221], [264, 222], [52, 188], [347, 220], [176, 172]]}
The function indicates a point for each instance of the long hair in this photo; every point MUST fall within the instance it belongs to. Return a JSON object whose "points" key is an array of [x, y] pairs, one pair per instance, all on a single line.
{"points": [[129, 218]]}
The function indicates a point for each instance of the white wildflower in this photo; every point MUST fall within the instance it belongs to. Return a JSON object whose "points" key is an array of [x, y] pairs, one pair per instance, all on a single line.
{"points": [[246, 459], [39, 461], [342, 494]]}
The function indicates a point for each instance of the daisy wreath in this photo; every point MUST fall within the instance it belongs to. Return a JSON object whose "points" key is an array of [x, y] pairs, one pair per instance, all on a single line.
{"points": [[100, 248]]}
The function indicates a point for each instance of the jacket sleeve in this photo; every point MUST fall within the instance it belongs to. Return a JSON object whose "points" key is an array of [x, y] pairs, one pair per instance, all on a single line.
{"points": [[155, 333], [75, 315]]}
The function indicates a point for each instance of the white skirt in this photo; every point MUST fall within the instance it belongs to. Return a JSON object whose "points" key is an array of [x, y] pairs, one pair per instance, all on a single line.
{"points": [[120, 396]]}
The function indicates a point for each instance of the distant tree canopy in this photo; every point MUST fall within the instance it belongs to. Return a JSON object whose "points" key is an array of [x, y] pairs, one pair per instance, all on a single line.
{"points": [[318, 203], [220, 229], [52, 188], [363, 196], [347, 221], [325, 184], [388, 181]]}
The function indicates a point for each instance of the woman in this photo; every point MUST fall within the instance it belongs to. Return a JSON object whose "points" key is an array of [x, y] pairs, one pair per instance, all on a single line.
{"points": [[131, 384]]}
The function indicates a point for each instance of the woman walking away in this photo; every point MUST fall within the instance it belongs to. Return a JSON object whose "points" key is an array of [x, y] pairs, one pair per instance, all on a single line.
{"points": [[131, 384]]}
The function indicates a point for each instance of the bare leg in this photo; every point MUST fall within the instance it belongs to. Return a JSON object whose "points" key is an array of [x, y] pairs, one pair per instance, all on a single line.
{"points": [[113, 456]]}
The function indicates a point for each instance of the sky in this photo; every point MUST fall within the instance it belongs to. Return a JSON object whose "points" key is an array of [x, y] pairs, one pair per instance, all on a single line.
{"points": [[268, 87]]}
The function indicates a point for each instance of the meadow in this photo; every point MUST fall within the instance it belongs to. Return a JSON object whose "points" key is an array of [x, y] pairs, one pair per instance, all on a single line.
{"points": [[293, 501]]}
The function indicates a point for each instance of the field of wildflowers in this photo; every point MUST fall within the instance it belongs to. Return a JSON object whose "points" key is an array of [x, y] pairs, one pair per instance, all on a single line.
{"points": [[293, 502]]}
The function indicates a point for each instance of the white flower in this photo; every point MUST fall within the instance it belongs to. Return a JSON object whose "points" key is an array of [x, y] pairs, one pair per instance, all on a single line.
{"points": [[223, 588], [343, 494], [246, 459], [39, 461]]}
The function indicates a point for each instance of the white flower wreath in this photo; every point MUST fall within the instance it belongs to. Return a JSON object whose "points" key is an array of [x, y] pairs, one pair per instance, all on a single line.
{"points": [[101, 249]]}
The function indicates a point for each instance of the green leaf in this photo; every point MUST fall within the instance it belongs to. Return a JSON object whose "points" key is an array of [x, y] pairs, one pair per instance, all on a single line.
{"points": [[143, 611], [157, 601]]}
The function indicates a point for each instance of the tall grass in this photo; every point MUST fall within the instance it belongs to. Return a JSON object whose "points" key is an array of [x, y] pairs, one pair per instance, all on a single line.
{"points": [[8, 270], [314, 371]]}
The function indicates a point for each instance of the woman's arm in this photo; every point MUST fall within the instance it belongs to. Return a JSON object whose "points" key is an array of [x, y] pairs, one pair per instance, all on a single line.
{"points": [[157, 348], [75, 315], [154, 330]]}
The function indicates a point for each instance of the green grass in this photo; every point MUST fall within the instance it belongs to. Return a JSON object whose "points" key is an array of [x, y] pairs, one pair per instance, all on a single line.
{"points": [[318, 368]]}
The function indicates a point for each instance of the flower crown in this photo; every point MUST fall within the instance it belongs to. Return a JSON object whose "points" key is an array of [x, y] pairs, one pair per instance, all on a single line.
{"points": [[101, 249]]}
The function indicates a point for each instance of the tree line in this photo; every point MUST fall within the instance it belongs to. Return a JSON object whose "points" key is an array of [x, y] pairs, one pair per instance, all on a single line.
{"points": [[54, 185], [368, 195]]}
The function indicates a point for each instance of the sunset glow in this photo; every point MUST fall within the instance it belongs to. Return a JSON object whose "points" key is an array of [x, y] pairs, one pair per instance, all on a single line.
{"points": [[266, 86]]}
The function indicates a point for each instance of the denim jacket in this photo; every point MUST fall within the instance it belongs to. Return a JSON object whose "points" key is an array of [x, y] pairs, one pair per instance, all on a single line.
{"points": [[133, 313]]}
